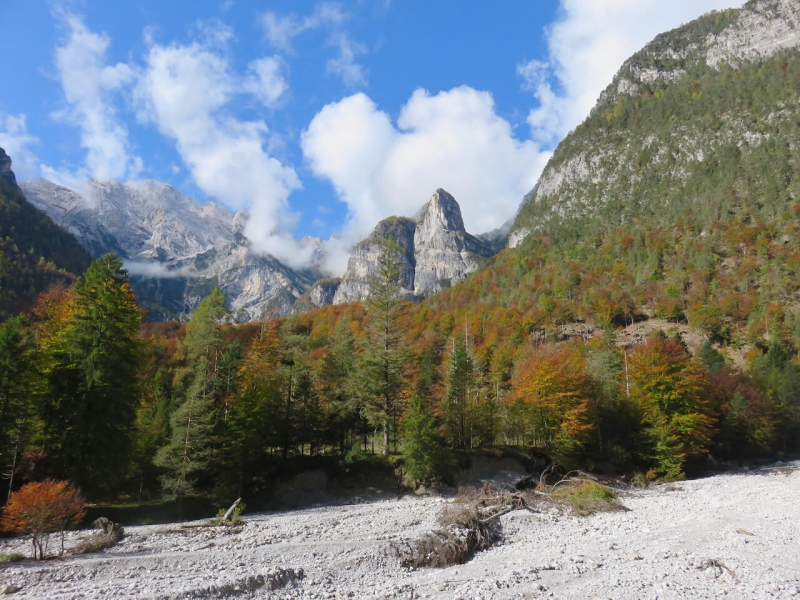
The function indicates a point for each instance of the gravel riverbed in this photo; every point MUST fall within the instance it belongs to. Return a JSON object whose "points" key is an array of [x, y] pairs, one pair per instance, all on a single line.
{"points": [[727, 536]]}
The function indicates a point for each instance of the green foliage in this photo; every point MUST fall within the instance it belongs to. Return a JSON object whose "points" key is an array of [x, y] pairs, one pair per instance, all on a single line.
{"points": [[587, 497], [34, 252], [188, 454], [422, 454], [18, 382], [383, 358], [670, 391], [92, 378]]}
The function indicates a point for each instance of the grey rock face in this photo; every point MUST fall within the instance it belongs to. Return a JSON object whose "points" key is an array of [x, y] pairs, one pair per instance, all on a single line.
{"points": [[436, 252], [176, 249], [364, 260], [323, 291], [444, 252]]}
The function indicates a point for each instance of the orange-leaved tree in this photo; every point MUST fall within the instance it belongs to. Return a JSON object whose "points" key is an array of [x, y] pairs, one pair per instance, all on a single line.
{"points": [[43, 508], [552, 383], [670, 390]]}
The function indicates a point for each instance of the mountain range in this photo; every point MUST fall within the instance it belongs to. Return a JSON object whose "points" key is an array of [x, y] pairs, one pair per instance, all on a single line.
{"points": [[177, 250]]}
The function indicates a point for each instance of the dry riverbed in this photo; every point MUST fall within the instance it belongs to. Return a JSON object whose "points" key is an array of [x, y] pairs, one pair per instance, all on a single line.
{"points": [[728, 536]]}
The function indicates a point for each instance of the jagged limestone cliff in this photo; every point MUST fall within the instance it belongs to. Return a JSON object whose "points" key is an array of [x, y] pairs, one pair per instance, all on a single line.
{"points": [[365, 258], [436, 252], [34, 252]]}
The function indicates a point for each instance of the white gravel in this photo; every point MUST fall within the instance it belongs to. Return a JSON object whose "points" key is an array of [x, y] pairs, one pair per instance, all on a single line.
{"points": [[729, 536]]}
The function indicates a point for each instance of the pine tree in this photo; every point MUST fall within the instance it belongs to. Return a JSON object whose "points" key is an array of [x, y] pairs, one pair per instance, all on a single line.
{"points": [[17, 382], [189, 452], [253, 423], [421, 452], [461, 387], [93, 385], [383, 358]]}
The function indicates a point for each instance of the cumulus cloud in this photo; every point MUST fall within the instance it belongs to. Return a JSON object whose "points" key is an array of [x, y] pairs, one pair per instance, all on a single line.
{"points": [[454, 140], [586, 47], [16, 141], [89, 85], [186, 90]]}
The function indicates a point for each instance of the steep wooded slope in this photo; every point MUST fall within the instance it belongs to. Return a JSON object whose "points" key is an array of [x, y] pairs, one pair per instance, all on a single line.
{"points": [[34, 251]]}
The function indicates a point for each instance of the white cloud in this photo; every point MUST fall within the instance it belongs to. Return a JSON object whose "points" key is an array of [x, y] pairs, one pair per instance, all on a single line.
{"points": [[344, 65], [89, 85], [587, 45], [153, 269], [15, 140], [186, 90], [454, 140], [280, 31], [264, 80]]}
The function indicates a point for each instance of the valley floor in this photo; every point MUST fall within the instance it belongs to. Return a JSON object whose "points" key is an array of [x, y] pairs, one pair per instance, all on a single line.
{"points": [[728, 536]]}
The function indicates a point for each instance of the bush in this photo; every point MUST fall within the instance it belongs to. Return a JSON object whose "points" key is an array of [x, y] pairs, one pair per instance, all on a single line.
{"points": [[43, 508], [11, 557], [587, 497]]}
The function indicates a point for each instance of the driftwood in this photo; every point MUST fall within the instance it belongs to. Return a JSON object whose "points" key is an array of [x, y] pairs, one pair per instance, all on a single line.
{"points": [[110, 533], [229, 513]]}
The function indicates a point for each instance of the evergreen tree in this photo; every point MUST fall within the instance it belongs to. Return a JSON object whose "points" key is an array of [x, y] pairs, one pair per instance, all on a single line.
{"points": [[189, 452], [460, 387], [93, 387], [254, 425], [383, 358], [421, 452], [17, 382]]}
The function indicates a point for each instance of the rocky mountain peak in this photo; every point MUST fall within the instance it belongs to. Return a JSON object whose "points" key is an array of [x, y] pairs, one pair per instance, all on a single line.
{"points": [[440, 212], [436, 252]]}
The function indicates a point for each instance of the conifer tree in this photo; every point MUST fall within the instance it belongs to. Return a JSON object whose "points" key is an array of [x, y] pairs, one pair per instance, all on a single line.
{"points": [[421, 452], [92, 377], [17, 382], [461, 387], [383, 357], [190, 449]]}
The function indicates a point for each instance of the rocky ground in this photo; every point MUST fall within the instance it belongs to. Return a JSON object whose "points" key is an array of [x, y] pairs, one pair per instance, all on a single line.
{"points": [[728, 536]]}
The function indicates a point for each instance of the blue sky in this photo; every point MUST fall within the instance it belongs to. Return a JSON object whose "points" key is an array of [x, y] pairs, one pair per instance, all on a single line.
{"points": [[318, 118]]}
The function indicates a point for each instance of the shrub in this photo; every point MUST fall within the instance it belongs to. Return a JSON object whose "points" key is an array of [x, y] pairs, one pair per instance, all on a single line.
{"points": [[43, 508], [587, 497]]}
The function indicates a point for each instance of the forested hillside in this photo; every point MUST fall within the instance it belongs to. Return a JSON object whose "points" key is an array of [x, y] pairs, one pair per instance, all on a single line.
{"points": [[670, 214], [34, 252]]}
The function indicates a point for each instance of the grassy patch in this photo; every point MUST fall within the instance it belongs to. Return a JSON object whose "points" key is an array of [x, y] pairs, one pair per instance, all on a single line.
{"points": [[12, 557], [586, 497]]}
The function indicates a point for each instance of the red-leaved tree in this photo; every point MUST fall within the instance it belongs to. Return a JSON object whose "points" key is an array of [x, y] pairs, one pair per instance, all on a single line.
{"points": [[43, 508]]}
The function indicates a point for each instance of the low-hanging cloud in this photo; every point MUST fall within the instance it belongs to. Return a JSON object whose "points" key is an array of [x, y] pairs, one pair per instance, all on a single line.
{"points": [[454, 140]]}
